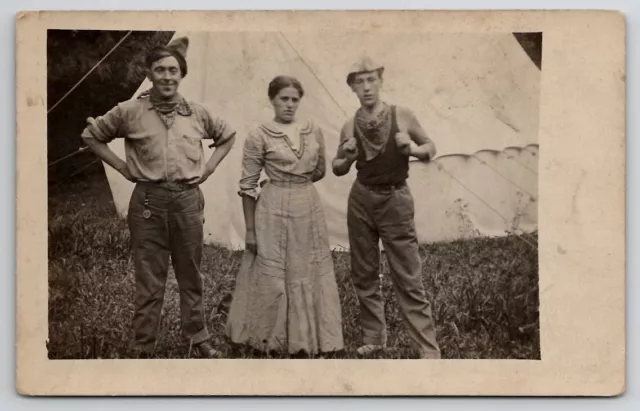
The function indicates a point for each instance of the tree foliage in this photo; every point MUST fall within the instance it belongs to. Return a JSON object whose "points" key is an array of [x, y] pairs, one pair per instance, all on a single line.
{"points": [[71, 54], [532, 45]]}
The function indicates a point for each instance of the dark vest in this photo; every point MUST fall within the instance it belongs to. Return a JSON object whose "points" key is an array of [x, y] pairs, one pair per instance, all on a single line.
{"points": [[390, 167]]}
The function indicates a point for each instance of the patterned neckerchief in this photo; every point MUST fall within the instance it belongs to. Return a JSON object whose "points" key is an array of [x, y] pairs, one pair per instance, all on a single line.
{"points": [[167, 110], [374, 130]]}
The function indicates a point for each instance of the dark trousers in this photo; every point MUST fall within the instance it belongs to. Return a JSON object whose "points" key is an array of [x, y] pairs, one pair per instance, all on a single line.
{"points": [[388, 215], [166, 223]]}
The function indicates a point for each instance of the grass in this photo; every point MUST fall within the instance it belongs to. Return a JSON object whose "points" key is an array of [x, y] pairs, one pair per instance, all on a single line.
{"points": [[484, 292]]}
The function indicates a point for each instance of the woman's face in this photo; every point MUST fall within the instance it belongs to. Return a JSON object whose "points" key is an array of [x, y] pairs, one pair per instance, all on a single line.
{"points": [[285, 104]]}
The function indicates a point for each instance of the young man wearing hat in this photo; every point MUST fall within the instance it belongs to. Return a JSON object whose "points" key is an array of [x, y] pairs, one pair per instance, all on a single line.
{"points": [[163, 135], [380, 138]]}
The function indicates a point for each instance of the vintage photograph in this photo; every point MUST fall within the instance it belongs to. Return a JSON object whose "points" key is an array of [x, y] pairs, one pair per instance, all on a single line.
{"points": [[379, 203], [275, 195]]}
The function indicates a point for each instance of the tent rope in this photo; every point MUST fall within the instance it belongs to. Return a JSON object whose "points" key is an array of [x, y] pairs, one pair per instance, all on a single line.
{"points": [[77, 172], [312, 72], [516, 161], [90, 71], [441, 167], [505, 178], [80, 150]]}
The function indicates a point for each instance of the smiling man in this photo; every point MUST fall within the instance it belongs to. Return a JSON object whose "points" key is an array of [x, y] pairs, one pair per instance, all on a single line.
{"points": [[163, 133], [380, 138]]}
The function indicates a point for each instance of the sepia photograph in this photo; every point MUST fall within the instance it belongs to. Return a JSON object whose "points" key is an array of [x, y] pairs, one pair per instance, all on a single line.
{"points": [[271, 195], [320, 203]]}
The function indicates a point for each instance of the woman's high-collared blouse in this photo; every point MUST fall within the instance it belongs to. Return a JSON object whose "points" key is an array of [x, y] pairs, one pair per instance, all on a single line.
{"points": [[268, 148]]}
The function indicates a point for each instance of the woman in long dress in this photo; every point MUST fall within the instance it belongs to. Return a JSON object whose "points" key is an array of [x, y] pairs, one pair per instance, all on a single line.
{"points": [[286, 297]]}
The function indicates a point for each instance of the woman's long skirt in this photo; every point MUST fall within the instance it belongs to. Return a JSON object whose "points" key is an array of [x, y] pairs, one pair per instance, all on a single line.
{"points": [[286, 297]]}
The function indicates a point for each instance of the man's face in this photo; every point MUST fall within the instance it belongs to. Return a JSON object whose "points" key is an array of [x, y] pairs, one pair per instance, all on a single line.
{"points": [[367, 87], [165, 75]]}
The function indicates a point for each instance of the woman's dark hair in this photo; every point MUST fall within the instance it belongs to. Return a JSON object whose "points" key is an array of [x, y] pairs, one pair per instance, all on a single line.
{"points": [[158, 53], [282, 82]]}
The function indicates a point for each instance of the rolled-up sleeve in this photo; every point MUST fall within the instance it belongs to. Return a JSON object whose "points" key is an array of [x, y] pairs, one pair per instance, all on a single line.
{"points": [[321, 166], [217, 129], [105, 128], [252, 165]]}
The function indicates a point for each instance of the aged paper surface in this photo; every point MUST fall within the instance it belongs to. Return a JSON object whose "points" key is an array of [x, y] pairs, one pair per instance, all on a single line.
{"points": [[581, 221]]}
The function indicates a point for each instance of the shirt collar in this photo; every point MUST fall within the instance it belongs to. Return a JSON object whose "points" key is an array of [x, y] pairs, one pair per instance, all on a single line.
{"points": [[273, 130], [182, 105]]}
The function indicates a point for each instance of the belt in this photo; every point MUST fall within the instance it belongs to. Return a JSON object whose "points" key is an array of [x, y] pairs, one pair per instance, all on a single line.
{"points": [[289, 184], [169, 185], [384, 187]]}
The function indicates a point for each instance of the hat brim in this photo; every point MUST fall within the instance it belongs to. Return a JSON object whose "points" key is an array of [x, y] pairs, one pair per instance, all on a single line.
{"points": [[351, 75]]}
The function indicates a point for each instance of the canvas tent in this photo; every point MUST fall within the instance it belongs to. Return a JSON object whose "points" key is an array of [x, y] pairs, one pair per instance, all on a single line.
{"points": [[476, 95]]}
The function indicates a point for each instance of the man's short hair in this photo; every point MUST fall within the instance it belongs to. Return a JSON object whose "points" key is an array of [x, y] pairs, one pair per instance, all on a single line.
{"points": [[158, 53]]}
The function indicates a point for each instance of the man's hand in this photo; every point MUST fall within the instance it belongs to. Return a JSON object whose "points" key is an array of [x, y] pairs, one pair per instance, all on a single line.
{"points": [[91, 122], [125, 172], [204, 178], [403, 141], [350, 149], [347, 153], [250, 241], [413, 138], [206, 174]]}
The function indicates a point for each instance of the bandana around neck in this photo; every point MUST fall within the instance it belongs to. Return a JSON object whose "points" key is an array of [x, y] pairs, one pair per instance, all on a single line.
{"points": [[374, 130], [167, 110]]}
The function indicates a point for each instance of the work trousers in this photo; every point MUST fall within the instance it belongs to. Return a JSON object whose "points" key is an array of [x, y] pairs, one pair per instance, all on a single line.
{"points": [[166, 221], [387, 214]]}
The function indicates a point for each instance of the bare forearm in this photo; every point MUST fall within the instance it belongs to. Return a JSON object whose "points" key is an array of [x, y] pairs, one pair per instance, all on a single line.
{"points": [[249, 209], [341, 166], [423, 152], [105, 153]]}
